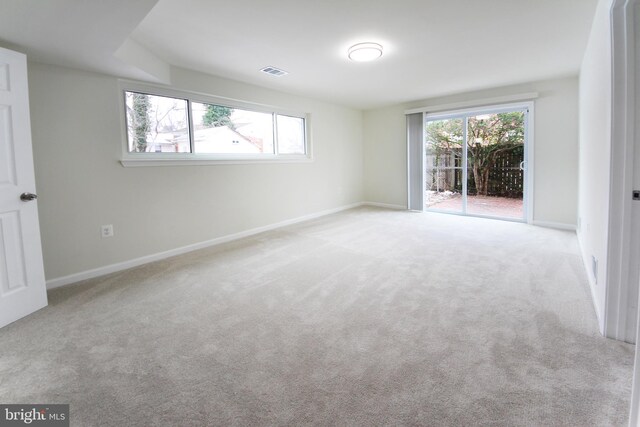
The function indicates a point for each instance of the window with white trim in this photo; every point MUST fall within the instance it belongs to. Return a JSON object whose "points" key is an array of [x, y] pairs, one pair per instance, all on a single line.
{"points": [[157, 124], [167, 125]]}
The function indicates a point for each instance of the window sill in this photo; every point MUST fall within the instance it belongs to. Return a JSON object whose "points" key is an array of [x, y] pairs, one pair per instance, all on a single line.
{"points": [[211, 160]]}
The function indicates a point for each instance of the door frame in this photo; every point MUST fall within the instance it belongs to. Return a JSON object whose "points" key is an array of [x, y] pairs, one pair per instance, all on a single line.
{"points": [[623, 281], [528, 184], [621, 301]]}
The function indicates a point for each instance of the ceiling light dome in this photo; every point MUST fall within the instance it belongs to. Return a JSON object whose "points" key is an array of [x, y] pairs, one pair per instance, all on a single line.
{"points": [[362, 52]]}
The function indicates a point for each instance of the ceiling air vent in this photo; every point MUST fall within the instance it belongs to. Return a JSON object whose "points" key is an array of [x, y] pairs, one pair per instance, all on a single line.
{"points": [[274, 71]]}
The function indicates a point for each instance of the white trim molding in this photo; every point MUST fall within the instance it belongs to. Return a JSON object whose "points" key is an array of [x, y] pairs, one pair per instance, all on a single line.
{"points": [[475, 104], [625, 106], [556, 225], [112, 268], [197, 160], [385, 205], [623, 236]]}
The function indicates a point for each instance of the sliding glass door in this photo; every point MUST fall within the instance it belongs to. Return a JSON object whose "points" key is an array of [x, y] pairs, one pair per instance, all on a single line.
{"points": [[444, 170], [475, 163]]}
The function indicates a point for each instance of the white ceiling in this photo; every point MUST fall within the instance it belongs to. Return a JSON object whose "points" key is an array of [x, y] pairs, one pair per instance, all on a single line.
{"points": [[432, 47], [75, 33]]}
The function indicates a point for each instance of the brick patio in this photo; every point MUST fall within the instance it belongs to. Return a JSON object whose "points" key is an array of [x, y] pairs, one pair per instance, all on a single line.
{"points": [[478, 205]]}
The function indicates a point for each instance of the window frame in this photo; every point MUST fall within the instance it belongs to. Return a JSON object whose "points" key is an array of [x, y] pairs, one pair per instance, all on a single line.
{"points": [[133, 159], [528, 107]]}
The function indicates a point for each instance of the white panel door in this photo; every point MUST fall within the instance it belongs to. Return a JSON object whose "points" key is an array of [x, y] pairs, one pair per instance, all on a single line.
{"points": [[22, 283]]}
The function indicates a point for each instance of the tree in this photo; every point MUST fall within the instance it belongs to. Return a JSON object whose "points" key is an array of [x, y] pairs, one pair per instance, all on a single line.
{"points": [[140, 123], [444, 149], [444, 141], [488, 136], [217, 115]]}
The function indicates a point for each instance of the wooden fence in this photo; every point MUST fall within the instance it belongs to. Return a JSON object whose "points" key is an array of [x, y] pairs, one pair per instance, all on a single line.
{"points": [[505, 178]]}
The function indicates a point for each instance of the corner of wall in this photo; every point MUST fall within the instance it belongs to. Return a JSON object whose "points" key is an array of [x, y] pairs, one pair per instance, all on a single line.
{"points": [[594, 153]]}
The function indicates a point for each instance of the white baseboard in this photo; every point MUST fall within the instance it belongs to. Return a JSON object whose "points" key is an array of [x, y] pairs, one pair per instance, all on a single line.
{"points": [[112, 268], [385, 205], [558, 225]]}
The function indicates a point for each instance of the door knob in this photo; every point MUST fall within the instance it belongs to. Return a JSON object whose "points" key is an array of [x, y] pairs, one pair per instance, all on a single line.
{"points": [[27, 197]]}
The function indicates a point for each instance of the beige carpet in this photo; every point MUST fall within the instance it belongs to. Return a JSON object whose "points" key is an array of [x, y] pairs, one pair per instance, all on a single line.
{"points": [[367, 317]]}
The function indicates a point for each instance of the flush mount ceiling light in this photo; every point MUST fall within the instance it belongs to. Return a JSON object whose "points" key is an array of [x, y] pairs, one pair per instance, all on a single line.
{"points": [[362, 52]]}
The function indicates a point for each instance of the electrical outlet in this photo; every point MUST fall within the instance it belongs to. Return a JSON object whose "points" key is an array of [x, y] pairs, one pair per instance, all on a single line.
{"points": [[106, 231], [636, 194]]}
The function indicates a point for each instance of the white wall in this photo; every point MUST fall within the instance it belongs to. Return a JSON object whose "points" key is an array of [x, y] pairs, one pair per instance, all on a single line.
{"points": [[555, 148], [81, 185], [595, 152], [385, 156]]}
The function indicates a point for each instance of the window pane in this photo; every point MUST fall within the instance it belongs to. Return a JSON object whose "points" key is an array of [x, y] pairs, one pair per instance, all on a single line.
{"points": [[495, 154], [443, 189], [290, 135], [443, 145], [226, 130], [157, 124]]}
